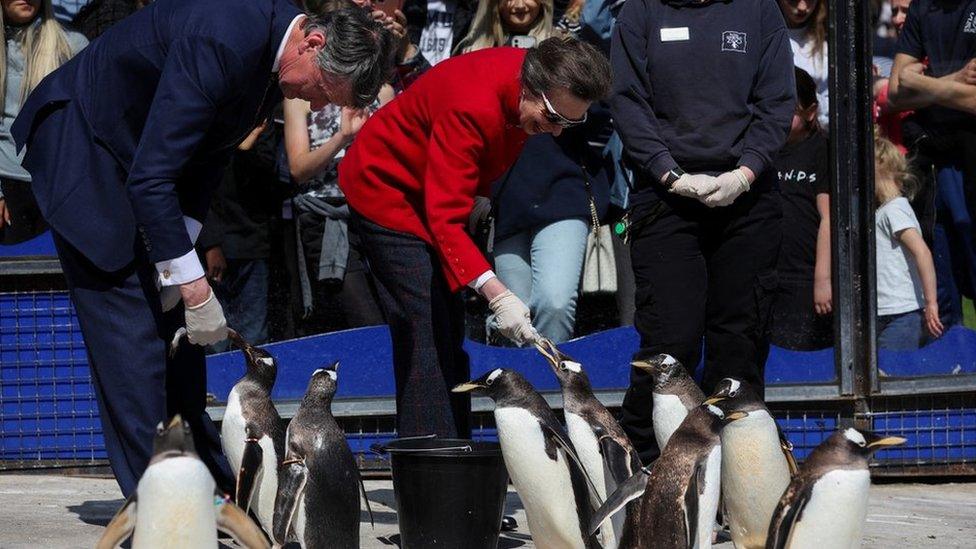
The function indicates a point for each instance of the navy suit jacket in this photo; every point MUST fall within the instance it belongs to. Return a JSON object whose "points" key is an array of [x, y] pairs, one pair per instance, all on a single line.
{"points": [[164, 96]]}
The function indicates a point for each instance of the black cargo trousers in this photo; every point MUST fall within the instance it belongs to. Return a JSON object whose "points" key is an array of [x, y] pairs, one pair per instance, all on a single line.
{"points": [[701, 273]]}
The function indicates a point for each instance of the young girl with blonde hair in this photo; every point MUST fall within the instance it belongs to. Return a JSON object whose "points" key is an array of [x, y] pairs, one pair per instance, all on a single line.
{"points": [[906, 286], [34, 45]]}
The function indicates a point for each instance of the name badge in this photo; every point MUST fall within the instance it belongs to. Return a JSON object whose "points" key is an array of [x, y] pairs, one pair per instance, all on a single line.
{"points": [[677, 34]]}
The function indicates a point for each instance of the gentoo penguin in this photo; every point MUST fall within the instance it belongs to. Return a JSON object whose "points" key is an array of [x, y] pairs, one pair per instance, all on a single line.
{"points": [[319, 478], [681, 492], [826, 504], [674, 394], [544, 467], [252, 435], [607, 454], [177, 503], [757, 464]]}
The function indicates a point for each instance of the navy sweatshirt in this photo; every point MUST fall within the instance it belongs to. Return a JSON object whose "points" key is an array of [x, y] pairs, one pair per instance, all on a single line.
{"points": [[705, 86]]}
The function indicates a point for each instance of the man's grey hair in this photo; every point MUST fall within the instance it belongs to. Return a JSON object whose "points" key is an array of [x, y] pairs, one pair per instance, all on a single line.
{"points": [[567, 63], [357, 49]]}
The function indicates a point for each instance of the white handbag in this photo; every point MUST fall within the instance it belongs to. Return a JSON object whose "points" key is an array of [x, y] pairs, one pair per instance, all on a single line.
{"points": [[599, 268]]}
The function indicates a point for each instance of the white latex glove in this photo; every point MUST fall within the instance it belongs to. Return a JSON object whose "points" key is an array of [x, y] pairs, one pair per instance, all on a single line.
{"points": [[205, 323], [694, 185], [731, 185], [170, 297], [512, 318]]}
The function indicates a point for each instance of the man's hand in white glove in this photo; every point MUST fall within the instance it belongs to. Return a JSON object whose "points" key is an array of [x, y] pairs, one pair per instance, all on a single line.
{"points": [[695, 185], [205, 322], [170, 297], [731, 185], [512, 318]]}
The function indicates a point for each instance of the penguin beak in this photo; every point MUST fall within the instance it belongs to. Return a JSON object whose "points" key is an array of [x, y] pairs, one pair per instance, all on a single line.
{"points": [[177, 420], [735, 416], [714, 398], [887, 442], [467, 387], [642, 365], [548, 349]]}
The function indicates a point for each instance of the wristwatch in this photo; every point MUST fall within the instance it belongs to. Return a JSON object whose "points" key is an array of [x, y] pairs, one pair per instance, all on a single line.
{"points": [[672, 176]]}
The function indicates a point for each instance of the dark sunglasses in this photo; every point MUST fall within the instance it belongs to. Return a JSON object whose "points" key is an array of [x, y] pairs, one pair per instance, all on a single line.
{"points": [[553, 116]]}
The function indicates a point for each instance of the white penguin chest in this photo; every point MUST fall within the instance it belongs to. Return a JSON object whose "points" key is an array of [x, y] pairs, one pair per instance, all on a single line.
{"points": [[668, 414], [175, 506], [588, 449], [232, 431], [543, 484], [708, 501], [834, 517], [754, 476]]}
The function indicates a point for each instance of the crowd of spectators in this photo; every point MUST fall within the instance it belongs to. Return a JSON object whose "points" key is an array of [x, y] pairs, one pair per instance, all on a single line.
{"points": [[286, 262]]}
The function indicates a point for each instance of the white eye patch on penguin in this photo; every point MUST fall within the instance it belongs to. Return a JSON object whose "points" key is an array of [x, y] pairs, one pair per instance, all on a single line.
{"points": [[266, 360], [494, 375], [571, 366], [855, 436]]}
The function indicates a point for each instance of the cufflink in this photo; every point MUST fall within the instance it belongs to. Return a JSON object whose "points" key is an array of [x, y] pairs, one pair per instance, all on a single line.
{"points": [[166, 273]]}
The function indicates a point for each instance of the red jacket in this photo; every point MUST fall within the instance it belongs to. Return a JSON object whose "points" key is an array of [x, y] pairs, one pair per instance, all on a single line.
{"points": [[418, 163]]}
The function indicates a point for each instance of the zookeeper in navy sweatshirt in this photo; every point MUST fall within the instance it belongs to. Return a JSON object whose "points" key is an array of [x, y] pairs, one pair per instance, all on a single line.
{"points": [[703, 98]]}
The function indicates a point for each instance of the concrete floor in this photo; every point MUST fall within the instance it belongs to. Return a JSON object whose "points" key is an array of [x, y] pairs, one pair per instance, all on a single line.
{"points": [[62, 512]]}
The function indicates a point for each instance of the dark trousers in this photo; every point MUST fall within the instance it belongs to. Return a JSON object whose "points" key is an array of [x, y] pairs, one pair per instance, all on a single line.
{"points": [[701, 273], [137, 384], [426, 324]]}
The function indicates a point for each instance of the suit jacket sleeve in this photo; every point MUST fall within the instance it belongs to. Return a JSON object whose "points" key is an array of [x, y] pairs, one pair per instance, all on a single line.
{"points": [[450, 185], [199, 73]]}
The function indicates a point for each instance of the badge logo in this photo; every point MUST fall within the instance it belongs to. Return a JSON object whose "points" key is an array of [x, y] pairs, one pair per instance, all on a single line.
{"points": [[970, 23], [734, 41]]}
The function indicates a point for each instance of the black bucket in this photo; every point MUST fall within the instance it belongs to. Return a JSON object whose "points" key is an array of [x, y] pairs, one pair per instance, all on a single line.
{"points": [[449, 492]]}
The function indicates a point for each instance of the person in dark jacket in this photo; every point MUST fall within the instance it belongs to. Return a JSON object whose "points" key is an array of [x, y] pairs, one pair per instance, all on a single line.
{"points": [[703, 96], [96, 17]]}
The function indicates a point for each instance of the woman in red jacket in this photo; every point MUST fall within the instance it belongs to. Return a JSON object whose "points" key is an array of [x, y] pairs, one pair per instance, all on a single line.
{"points": [[411, 178]]}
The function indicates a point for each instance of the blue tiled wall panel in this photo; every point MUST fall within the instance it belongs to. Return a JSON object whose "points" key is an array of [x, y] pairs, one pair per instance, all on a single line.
{"points": [[48, 409]]}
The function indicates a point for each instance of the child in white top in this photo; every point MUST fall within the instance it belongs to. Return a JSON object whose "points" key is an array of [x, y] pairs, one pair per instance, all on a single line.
{"points": [[906, 273]]}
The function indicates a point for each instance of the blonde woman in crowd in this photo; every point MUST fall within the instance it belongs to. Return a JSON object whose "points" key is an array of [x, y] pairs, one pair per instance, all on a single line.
{"points": [[807, 24], [497, 21], [34, 45]]}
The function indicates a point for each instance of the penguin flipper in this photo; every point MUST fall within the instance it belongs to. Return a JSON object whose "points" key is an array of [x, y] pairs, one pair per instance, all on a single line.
{"points": [[696, 486], [787, 447], [120, 527], [251, 462], [291, 485], [232, 520], [788, 512], [626, 491], [555, 438], [618, 460]]}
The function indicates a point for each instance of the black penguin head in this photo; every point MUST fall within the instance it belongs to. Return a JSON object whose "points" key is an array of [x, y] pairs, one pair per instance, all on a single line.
{"points": [[569, 372], [721, 414], [665, 369], [739, 395], [324, 383], [173, 439], [499, 385], [261, 366], [863, 443]]}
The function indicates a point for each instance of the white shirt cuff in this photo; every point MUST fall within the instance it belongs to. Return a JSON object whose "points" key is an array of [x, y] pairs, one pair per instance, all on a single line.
{"points": [[185, 268], [181, 270], [477, 283]]}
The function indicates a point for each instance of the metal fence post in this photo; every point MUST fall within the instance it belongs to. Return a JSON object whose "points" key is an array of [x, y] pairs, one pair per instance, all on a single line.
{"points": [[852, 204]]}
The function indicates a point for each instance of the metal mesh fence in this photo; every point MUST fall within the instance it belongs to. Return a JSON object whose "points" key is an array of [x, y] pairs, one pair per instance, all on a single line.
{"points": [[49, 414]]}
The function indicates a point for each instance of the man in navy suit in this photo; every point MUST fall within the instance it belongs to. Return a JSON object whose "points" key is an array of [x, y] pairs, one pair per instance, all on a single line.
{"points": [[125, 144]]}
